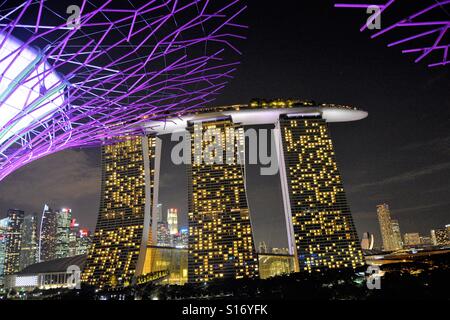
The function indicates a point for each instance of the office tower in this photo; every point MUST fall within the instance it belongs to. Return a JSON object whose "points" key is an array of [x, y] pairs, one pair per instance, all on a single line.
{"points": [[389, 237], [159, 213], [130, 173], [63, 220], [74, 230], [425, 241], [163, 235], [397, 234], [367, 241], [183, 238], [220, 234], [29, 252], [439, 237], [412, 239], [262, 247], [47, 237], [433, 237], [13, 241], [3, 232], [83, 241], [321, 232], [172, 220]]}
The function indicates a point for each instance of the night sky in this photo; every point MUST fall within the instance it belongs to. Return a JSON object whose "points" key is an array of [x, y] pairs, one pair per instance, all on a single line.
{"points": [[400, 154]]}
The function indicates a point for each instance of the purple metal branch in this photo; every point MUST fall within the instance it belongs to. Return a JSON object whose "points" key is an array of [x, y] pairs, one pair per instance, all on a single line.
{"points": [[103, 89], [411, 22]]}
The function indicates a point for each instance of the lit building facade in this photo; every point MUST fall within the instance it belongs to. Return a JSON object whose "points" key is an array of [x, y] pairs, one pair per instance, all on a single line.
{"points": [[321, 232], [73, 237], [163, 235], [159, 213], [397, 233], [172, 220], [13, 241], [412, 239], [389, 238], [439, 237], [79, 239], [30, 238], [220, 234], [3, 232], [172, 260], [47, 237], [271, 265], [130, 172], [181, 239], [63, 222], [83, 242]]}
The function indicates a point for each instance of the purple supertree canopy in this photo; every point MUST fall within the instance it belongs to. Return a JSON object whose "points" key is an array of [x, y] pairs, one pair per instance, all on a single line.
{"points": [[422, 27], [70, 80]]}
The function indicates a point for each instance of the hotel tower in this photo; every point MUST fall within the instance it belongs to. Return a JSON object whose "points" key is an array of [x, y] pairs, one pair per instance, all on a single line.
{"points": [[130, 173], [220, 234], [320, 229]]}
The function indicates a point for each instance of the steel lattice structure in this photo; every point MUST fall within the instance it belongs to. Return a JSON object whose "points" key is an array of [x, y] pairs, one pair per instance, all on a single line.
{"points": [[430, 23], [70, 82]]}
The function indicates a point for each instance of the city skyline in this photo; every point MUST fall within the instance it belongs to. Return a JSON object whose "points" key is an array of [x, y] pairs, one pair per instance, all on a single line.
{"points": [[395, 155]]}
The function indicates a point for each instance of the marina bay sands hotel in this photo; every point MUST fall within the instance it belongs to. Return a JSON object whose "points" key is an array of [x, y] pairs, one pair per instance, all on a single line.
{"points": [[320, 229]]}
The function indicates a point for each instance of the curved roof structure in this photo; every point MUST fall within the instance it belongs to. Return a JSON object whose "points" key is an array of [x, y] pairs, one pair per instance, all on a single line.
{"points": [[74, 76], [54, 266], [259, 112]]}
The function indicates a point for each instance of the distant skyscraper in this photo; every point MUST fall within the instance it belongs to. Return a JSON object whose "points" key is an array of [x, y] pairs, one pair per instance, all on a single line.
{"points": [[412, 239], [425, 241], [3, 233], [439, 237], [47, 238], [397, 234], [84, 241], [181, 239], [433, 237], [130, 173], [389, 237], [63, 220], [321, 232], [73, 237], [30, 241], [367, 241], [172, 220], [220, 234], [163, 235], [159, 213], [13, 241]]}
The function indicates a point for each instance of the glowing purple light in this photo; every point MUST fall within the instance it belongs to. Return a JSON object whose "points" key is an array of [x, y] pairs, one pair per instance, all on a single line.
{"points": [[128, 62], [439, 29]]}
